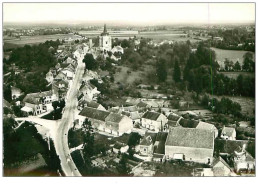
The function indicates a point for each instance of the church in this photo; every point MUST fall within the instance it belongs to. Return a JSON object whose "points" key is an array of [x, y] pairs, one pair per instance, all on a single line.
{"points": [[105, 41]]}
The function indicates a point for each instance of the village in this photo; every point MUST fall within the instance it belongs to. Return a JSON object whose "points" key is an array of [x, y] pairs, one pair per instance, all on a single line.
{"points": [[163, 133]]}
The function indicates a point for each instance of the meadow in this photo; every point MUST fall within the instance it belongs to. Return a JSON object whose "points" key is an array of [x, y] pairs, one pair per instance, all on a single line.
{"points": [[30, 40], [233, 55]]}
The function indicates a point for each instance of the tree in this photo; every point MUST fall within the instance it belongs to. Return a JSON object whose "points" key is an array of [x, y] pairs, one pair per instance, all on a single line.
{"points": [[55, 105], [90, 62], [88, 139], [122, 166], [237, 66], [248, 61], [134, 139], [177, 72], [161, 69]]}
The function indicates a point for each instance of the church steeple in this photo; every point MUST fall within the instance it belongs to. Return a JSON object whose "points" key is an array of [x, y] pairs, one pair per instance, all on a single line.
{"points": [[104, 31]]}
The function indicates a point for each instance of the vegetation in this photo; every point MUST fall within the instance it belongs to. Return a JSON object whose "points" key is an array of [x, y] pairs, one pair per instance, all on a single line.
{"points": [[25, 142]]}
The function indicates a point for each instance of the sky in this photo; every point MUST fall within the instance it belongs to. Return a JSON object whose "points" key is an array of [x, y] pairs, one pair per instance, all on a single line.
{"points": [[131, 13]]}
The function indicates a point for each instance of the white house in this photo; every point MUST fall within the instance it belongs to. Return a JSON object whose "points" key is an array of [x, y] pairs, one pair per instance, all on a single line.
{"points": [[228, 133], [118, 124], [37, 103], [154, 121], [117, 49]]}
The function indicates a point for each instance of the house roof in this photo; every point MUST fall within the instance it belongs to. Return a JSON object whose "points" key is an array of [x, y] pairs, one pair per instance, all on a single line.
{"points": [[204, 125], [188, 123], [190, 137], [93, 104], [142, 104], [94, 113], [228, 131], [219, 159], [151, 115], [34, 98], [130, 108], [115, 118]]}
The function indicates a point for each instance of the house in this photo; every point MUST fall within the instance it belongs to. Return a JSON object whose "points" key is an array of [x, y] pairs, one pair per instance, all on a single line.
{"points": [[228, 133], [97, 117], [154, 121], [207, 126], [173, 120], [159, 147], [243, 161], [132, 101], [220, 168], [133, 115], [60, 88], [142, 106], [37, 103], [69, 73], [61, 76], [118, 124], [89, 91], [70, 60], [117, 49], [16, 92], [146, 145], [95, 105], [190, 143], [49, 77]]}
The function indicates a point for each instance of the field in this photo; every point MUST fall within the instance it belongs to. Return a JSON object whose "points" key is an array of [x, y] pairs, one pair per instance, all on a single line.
{"points": [[247, 103], [128, 78], [234, 75], [233, 55], [16, 42]]}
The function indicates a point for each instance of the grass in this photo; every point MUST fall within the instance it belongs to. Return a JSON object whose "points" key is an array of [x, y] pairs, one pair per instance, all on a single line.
{"points": [[129, 76], [233, 55], [234, 75], [247, 103]]}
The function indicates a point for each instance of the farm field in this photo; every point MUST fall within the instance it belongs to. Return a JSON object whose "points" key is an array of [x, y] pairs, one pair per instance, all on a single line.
{"points": [[247, 103], [234, 75], [34, 39], [233, 55]]}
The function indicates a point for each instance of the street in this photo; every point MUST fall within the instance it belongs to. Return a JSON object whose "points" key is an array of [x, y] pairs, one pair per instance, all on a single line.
{"points": [[61, 139]]}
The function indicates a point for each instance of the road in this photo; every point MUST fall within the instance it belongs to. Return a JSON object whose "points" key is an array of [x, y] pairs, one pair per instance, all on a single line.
{"points": [[61, 138]]}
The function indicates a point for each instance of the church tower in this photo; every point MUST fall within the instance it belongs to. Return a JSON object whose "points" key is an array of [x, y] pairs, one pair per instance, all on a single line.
{"points": [[105, 41]]}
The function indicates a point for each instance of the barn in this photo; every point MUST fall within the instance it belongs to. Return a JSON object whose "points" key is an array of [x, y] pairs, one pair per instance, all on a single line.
{"points": [[190, 143]]}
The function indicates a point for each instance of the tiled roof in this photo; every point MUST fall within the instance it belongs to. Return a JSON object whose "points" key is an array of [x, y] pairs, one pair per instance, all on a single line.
{"points": [[146, 141], [151, 115], [205, 126], [94, 113], [6, 103], [190, 137], [115, 118], [93, 104], [130, 108], [142, 104], [229, 146]]}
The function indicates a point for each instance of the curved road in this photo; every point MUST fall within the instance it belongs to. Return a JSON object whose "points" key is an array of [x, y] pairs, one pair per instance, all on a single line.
{"points": [[61, 139]]}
